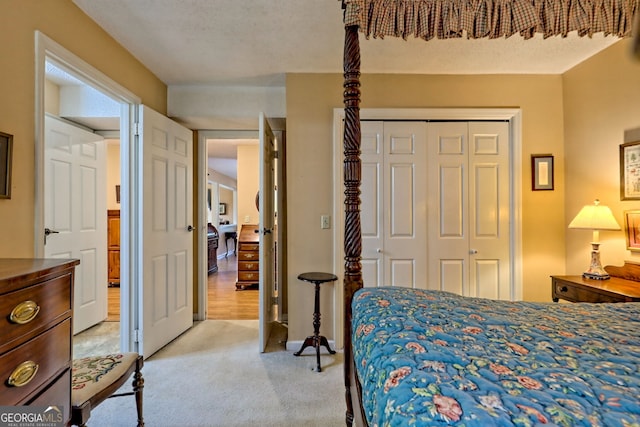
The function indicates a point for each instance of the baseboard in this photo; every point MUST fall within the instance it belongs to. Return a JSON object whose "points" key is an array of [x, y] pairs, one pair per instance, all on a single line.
{"points": [[223, 255]]}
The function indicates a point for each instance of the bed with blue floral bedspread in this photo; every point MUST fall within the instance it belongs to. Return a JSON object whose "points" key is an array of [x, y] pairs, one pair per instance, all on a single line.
{"points": [[429, 358]]}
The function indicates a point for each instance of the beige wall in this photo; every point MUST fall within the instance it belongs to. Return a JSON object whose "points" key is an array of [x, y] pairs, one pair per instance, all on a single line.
{"points": [[588, 108], [226, 197], [248, 184], [113, 172], [310, 102], [602, 100], [63, 22]]}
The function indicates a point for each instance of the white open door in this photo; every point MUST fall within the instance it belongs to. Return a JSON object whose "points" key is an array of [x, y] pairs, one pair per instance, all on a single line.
{"points": [[164, 230], [75, 213], [267, 231]]}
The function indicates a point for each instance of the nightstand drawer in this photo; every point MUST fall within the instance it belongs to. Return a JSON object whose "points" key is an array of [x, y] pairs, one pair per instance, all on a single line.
{"points": [[581, 289], [574, 293]]}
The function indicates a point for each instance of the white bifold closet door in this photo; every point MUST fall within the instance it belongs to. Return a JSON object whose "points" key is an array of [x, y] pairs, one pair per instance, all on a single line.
{"points": [[435, 206], [394, 202], [469, 219]]}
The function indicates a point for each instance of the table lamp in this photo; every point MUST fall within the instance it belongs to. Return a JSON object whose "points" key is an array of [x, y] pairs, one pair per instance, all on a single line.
{"points": [[595, 217]]}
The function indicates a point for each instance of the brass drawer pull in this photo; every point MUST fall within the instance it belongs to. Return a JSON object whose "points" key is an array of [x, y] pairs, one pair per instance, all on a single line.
{"points": [[24, 373], [24, 312]]}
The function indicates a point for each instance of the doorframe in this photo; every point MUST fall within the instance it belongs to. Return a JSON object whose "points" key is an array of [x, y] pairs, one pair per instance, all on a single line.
{"points": [[511, 115], [201, 193], [201, 209], [46, 49]]}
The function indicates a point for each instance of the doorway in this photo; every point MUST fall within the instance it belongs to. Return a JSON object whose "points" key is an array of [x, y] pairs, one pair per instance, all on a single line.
{"points": [[156, 198], [232, 165], [248, 214], [86, 79]]}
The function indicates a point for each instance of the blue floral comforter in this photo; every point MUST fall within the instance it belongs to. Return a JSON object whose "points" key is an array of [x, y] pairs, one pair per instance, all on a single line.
{"points": [[429, 358]]}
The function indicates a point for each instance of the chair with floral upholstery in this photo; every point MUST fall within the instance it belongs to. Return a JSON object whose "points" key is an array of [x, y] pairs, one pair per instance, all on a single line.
{"points": [[96, 378]]}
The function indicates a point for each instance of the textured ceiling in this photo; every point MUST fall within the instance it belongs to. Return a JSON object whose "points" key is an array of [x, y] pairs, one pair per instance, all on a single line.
{"points": [[254, 42]]}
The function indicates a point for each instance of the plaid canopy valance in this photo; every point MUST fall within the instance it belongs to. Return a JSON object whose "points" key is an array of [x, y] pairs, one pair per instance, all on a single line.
{"points": [[445, 19]]}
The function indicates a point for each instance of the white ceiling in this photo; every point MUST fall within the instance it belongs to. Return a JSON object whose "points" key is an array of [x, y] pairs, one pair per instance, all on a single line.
{"points": [[255, 42]]}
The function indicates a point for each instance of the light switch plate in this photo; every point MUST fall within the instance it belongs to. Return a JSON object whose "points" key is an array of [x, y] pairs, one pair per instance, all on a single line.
{"points": [[325, 221]]}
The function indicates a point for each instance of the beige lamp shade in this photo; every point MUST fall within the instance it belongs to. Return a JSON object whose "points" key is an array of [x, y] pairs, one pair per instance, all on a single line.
{"points": [[595, 217]]}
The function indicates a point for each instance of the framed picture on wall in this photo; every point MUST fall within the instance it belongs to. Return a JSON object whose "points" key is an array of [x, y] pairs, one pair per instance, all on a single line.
{"points": [[630, 171], [6, 144], [632, 229], [222, 209], [541, 172]]}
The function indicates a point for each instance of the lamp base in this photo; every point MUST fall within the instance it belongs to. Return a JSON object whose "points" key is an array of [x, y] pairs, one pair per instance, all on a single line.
{"points": [[595, 270]]}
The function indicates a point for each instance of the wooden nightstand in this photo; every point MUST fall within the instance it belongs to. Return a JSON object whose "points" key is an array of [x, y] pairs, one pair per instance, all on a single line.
{"points": [[623, 286]]}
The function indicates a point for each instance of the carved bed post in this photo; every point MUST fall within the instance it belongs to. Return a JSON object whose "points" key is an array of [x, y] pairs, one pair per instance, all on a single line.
{"points": [[352, 178]]}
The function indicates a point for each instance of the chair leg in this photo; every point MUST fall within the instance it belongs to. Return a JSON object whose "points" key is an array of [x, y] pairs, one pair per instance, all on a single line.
{"points": [[138, 385]]}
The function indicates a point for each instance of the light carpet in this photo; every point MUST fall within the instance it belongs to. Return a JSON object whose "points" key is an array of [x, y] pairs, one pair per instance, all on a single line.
{"points": [[213, 375]]}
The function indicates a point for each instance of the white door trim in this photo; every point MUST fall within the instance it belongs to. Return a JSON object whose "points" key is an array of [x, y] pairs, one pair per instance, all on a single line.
{"points": [[512, 115], [47, 49], [201, 194]]}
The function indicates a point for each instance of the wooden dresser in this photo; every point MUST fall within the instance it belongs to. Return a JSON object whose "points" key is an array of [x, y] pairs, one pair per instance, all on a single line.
{"points": [[113, 247], [212, 248], [36, 332], [248, 256]]}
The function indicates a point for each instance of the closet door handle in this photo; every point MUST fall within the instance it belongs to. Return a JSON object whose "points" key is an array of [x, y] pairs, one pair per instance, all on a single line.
{"points": [[190, 228]]}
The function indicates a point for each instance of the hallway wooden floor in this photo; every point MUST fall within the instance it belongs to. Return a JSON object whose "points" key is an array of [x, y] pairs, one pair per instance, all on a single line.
{"points": [[224, 302]]}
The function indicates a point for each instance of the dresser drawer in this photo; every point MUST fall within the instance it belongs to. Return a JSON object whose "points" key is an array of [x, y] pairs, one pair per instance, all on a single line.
{"points": [[570, 292], [251, 247], [247, 256], [36, 307], [50, 351], [248, 265], [56, 394], [248, 276]]}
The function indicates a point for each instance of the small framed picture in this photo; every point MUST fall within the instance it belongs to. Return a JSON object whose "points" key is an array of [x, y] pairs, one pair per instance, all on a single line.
{"points": [[222, 209], [541, 172], [6, 144], [632, 229], [630, 171]]}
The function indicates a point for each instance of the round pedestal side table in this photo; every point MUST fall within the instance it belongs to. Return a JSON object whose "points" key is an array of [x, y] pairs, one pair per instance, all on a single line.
{"points": [[316, 340]]}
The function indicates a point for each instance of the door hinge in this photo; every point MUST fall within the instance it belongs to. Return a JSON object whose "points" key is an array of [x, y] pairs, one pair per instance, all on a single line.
{"points": [[136, 335], [275, 300], [276, 155], [136, 129]]}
